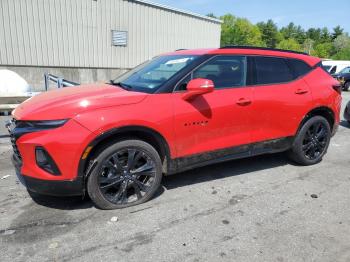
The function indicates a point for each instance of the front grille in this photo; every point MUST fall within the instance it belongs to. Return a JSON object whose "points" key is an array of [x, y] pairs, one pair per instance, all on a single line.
{"points": [[15, 148], [11, 126]]}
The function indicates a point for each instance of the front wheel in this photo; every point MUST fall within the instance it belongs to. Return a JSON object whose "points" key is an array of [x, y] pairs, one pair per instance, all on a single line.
{"points": [[128, 173], [311, 142], [346, 86]]}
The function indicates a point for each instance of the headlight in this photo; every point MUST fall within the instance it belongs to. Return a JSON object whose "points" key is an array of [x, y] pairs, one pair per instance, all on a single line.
{"points": [[24, 127], [42, 124]]}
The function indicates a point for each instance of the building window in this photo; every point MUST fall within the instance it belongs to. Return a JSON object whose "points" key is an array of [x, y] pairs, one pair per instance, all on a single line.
{"points": [[119, 38]]}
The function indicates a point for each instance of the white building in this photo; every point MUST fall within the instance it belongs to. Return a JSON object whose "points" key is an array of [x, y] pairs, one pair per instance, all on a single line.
{"points": [[94, 40]]}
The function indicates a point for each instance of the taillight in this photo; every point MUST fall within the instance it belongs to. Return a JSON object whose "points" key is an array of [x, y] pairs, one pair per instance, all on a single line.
{"points": [[337, 87]]}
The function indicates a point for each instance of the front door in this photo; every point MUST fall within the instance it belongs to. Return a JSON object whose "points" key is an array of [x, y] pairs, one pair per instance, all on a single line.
{"points": [[217, 120]]}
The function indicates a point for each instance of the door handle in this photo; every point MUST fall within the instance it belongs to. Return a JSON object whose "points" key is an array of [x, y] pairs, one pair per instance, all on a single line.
{"points": [[301, 91], [243, 102]]}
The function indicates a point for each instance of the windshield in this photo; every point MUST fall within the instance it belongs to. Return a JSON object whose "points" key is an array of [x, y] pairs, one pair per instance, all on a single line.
{"points": [[151, 75], [346, 70]]}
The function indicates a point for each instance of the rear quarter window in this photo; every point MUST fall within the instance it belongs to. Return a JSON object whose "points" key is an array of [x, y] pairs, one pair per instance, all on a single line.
{"points": [[272, 70], [299, 67]]}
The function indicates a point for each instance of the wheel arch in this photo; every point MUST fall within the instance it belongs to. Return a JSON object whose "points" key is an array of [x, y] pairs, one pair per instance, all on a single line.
{"points": [[145, 134], [324, 111]]}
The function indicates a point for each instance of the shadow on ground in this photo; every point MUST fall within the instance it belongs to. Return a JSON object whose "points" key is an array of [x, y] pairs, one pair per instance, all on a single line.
{"points": [[63, 203], [195, 176], [227, 169]]}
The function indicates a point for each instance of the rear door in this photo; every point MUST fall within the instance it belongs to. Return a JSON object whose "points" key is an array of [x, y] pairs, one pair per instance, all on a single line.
{"points": [[217, 120], [281, 97]]}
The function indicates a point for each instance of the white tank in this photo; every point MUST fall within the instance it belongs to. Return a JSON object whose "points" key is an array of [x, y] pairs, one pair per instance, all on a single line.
{"points": [[12, 83]]}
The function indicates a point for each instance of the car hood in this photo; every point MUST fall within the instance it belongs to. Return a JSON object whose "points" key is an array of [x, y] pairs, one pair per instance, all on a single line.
{"points": [[342, 75], [70, 101]]}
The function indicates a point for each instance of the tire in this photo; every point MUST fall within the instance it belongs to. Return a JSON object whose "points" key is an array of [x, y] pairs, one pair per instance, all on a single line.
{"points": [[310, 139], [347, 86], [127, 173]]}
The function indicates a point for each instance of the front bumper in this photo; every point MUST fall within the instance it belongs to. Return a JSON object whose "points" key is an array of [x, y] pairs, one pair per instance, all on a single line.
{"points": [[65, 145], [49, 187]]}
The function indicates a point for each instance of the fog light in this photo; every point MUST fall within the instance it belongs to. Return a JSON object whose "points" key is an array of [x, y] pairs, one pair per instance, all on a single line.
{"points": [[45, 161]]}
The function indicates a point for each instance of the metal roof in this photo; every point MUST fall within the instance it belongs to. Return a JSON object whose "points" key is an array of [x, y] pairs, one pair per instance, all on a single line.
{"points": [[181, 11]]}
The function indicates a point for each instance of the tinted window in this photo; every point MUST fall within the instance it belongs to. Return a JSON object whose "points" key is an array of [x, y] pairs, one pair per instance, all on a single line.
{"points": [[299, 67], [326, 67], [271, 70], [333, 70], [224, 71]]}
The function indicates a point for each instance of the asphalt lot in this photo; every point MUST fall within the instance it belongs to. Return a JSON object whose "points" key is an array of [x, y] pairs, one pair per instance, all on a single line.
{"points": [[257, 209]]}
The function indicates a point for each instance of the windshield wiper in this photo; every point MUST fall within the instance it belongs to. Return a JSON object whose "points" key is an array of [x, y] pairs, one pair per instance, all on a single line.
{"points": [[122, 85]]}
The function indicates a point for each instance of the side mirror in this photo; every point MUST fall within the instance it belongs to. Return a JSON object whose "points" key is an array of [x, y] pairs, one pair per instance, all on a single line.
{"points": [[198, 87]]}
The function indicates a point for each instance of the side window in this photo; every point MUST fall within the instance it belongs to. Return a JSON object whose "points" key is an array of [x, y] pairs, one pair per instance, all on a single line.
{"points": [[272, 70], [333, 70], [346, 70], [299, 67], [183, 84], [224, 71]]}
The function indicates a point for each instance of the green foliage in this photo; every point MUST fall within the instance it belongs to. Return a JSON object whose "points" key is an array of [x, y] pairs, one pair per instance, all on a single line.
{"points": [[239, 31], [270, 34], [293, 31], [212, 16], [342, 41], [308, 45], [322, 50], [343, 54], [316, 41], [337, 31], [289, 44]]}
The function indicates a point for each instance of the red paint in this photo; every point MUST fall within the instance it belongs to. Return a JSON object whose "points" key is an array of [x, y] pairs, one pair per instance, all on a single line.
{"points": [[208, 121]]}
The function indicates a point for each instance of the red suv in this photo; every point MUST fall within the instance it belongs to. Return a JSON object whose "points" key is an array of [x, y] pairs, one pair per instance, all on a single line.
{"points": [[178, 111]]}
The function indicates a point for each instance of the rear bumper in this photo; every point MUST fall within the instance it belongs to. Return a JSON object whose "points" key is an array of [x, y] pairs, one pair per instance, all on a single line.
{"points": [[49, 187]]}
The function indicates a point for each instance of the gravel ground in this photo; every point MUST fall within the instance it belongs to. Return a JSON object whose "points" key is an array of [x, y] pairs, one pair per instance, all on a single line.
{"points": [[258, 209]]}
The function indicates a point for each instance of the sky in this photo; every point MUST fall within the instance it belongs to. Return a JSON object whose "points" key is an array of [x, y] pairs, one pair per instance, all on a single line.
{"points": [[307, 13]]}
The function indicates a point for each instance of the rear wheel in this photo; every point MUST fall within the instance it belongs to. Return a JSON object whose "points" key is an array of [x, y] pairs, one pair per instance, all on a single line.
{"points": [[311, 142], [128, 173]]}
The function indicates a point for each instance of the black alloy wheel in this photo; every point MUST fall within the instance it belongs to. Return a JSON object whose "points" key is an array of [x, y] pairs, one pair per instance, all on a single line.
{"points": [[128, 173], [311, 142], [126, 176], [315, 140]]}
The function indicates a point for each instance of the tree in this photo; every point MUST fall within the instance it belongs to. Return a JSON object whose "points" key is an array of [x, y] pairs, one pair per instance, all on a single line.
{"points": [[212, 15], [337, 31], [322, 50], [289, 44], [293, 31], [270, 34], [319, 42], [239, 31], [308, 45], [325, 36], [314, 34], [343, 54], [341, 42]]}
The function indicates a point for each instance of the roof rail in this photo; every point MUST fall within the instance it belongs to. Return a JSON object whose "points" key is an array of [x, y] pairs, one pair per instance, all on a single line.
{"points": [[181, 49], [262, 48]]}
